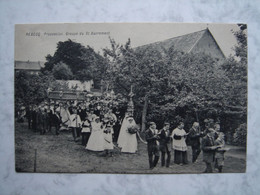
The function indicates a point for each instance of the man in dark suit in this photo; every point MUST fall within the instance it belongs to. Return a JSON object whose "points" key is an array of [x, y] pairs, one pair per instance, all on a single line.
{"points": [[42, 120], [34, 118], [165, 144], [56, 119], [152, 138], [194, 140], [49, 119], [208, 147], [29, 116]]}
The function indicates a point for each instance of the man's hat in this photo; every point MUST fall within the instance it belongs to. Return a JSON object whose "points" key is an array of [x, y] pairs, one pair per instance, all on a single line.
{"points": [[166, 123]]}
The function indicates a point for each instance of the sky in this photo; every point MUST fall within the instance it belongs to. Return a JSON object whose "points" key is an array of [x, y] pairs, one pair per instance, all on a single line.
{"points": [[34, 42]]}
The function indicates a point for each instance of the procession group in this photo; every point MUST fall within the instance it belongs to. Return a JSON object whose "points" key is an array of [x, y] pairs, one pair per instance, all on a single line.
{"points": [[102, 129], [210, 141]]}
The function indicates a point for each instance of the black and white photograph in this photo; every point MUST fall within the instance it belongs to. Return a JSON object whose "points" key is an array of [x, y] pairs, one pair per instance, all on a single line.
{"points": [[130, 98]]}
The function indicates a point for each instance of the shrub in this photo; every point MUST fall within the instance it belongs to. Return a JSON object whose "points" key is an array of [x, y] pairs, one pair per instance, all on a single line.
{"points": [[239, 137]]}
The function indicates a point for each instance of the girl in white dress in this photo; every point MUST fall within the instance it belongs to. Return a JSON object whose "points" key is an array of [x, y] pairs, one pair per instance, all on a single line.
{"points": [[108, 141], [96, 139], [127, 141]]}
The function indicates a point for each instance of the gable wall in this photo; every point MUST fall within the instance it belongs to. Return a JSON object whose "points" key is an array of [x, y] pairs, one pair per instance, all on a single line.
{"points": [[208, 46]]}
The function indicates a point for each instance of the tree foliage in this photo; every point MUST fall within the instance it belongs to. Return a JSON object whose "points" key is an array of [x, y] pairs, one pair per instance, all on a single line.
{"points": [[75, 62], [239, 137], [177, 86], [62, 72], [32, 89], [168, 85]]}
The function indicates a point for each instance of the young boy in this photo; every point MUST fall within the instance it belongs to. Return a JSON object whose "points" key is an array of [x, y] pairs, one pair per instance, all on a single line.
{"points": [[219, 155], [208, 147]]}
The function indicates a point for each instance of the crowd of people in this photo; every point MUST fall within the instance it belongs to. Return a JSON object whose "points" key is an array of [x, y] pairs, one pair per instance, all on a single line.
{"points": [[102, 127], [97, 122], [210, 141]]}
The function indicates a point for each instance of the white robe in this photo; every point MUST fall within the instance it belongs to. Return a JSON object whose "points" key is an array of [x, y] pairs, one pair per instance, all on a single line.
{"points": [[65, 118], [127, 141], [96, 139], [179, 145]]}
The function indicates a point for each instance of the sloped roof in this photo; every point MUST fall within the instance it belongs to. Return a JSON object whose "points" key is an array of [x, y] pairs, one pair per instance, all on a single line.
{"points": [[183, 43], [28, 65]]}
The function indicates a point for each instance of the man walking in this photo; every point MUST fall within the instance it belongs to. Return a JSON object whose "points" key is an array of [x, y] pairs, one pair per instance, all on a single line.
{"points": [[165, 144], [152, 138], [194, 139]]}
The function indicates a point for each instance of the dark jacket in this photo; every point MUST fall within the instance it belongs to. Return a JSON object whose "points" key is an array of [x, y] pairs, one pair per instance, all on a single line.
{"points": [[165, 140], [194, 137], [208, 153], [151, 141], [56, 119]]}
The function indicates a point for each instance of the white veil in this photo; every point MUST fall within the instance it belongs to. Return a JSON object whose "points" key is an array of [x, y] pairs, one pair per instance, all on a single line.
{"points": [[123, 131]]}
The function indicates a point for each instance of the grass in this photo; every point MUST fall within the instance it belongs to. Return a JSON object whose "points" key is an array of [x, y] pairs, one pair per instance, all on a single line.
{"points": [[60, 154]]}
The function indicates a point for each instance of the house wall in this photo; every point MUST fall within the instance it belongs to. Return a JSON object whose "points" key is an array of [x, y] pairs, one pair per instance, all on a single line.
{"points": [[32, 72], [78, 85], [208, 45]]}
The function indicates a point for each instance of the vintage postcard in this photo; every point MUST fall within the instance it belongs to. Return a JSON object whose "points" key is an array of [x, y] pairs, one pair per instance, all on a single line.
{"points": [[143, 98]]}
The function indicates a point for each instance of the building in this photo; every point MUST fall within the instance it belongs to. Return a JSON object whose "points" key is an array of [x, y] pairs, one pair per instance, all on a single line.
{"points": [[74, 90], [197, 42], [31, 67], [77, 85]]}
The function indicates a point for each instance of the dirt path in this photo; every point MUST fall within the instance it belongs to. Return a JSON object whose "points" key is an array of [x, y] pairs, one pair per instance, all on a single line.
{"points": [[61, 154], [236, 152]]}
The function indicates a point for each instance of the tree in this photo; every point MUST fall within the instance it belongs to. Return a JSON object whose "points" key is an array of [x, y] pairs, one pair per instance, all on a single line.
{"points": [[167, 84], [239, 137], [61, 71], [83, 63], [141, 69], [170, 85], [32, 89]]}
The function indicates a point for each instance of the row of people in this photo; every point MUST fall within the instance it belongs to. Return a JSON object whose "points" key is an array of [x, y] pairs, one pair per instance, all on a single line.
{"points": [[98, 134], [100, 131], [210, 141], [41, 118]]}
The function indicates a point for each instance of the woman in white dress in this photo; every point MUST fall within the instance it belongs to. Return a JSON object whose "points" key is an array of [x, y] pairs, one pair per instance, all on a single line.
{"points": [[96, 139], [127, 141]]}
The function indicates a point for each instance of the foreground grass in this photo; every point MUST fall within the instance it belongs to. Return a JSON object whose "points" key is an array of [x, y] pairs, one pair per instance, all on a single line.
{"points": [[59, 154]]}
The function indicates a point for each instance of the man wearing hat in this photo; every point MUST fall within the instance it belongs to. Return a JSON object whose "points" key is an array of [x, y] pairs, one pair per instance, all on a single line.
{"points": [[208, 147], [152, 138], [165, 144], [194, 137]]}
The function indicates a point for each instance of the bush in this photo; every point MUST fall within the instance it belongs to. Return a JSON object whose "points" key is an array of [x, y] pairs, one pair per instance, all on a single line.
{"points": [[239, 137]]}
